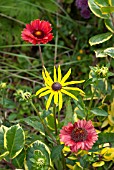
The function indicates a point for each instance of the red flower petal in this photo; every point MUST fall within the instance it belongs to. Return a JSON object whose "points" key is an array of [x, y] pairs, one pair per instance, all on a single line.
{"points": [[78, 130], [29, 34]]}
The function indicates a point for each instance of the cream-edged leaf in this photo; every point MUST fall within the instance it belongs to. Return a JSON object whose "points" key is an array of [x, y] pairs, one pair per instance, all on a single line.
{"points": [[109, 24], [100, 38], [96, 9], [110, 51], [14, 139], [100, 53]]}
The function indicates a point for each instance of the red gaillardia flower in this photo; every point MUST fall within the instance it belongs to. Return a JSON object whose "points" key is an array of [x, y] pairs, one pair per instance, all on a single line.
{"points": [[37, 32], [80, 135]]}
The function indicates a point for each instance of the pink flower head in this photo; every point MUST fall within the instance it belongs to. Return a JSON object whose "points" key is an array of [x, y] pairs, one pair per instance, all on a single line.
{"points": [[37, 32], [80, 135]]}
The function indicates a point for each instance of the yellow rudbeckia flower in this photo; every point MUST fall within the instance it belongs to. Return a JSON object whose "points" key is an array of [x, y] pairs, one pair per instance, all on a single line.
{"points": [[57, 87]]}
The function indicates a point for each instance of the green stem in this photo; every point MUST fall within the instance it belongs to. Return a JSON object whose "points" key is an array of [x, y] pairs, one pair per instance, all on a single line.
{"points": [[58, 116], [3, 102], [91, 102], [45, 127], [54, 114], [109, 167], [56, 40], [41, 57], [63, 161]]}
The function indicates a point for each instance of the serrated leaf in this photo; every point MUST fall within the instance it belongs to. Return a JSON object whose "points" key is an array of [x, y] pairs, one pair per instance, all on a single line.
{"points": [[107, 10], [109, 24], [99, 112], [100, 53], [69, 113], [102, 3], [96, 9], [56, 152], [100, 38], [37, 156], [110, 51], [14, 139]]}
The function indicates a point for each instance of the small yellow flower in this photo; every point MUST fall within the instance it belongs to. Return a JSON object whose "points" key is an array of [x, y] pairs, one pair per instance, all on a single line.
{"points": [[78, 57], [57, 87], [81, 51]]}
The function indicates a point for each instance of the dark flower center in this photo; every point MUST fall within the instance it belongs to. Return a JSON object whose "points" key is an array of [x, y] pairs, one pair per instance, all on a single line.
{"points": [[39, 34], [56, 86], [79, 135]]}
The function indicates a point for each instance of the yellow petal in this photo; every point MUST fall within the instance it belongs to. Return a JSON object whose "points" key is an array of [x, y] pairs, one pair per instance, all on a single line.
{"points": [[59, 74], [66, 76], [73, 82], [49, 101], [55, 75], [74, 88], [45, 79], [45, 93], [41, 90], [56, 97], [48, 76], [60, 101], [69, 94]]}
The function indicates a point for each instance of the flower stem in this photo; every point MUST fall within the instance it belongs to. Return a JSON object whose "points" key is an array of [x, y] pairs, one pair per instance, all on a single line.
{"points": [[56, 40], [54, 114], [91, 102], [63, 161], [41, 57], [45, 127], [58, 116]]}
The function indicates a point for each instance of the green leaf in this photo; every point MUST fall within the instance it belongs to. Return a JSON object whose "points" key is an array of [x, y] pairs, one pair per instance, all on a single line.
{"points": [[8, 103], [69, 112], [4, 155], [100, 53], [37, 156], [14, 139], [102, 3], [56, 152], [18, 161], [50, 121], [76, 167], [107, 10], [100, 38], [2, 131], [110, 51], [96, 9], [33, 121], [105, 138], [88, 82], [109, 24], [99, 112]]}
